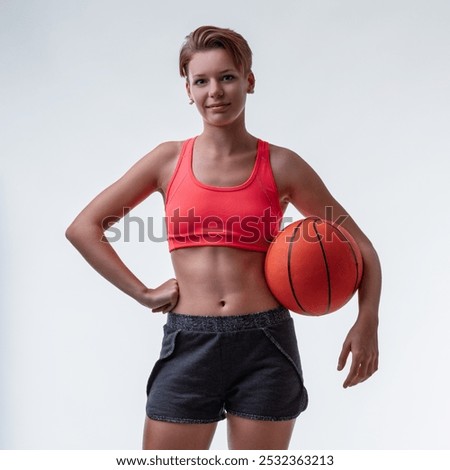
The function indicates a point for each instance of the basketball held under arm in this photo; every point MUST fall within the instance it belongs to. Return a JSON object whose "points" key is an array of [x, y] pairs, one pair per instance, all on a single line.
{"points": [[307, 192], [303, 188]]}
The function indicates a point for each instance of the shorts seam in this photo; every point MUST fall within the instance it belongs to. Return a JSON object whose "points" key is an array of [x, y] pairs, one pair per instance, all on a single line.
{"points": [[184, 420], [287, 356], [263, 418]]}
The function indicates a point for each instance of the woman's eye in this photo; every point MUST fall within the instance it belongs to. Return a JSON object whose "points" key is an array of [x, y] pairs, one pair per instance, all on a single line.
{"points": [[200, 81], [227, 78]]}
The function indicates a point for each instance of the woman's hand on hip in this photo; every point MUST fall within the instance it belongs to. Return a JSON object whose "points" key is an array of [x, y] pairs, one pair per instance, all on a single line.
{"points": [[163, 298]]}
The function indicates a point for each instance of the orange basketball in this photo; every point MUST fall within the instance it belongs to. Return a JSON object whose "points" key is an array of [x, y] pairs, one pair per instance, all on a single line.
{"points": [[313, 266]]}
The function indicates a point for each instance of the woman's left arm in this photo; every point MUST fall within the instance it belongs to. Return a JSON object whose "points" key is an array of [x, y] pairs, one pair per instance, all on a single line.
{"points": [[300, 185]]}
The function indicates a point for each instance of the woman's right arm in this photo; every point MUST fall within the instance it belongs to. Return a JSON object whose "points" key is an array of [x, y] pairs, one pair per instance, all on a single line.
{"points": [[86, 232]]}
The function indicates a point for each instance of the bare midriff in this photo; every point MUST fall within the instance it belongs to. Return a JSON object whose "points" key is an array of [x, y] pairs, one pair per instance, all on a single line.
{"points": [[221, 281]]}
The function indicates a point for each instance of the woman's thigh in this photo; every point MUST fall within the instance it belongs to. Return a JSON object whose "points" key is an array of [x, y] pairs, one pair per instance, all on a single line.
{"points": [[247, 434], [162, 435]]}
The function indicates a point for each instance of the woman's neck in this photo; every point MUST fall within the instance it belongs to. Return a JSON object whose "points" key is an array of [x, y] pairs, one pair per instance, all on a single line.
{"points": [[226, 138]]}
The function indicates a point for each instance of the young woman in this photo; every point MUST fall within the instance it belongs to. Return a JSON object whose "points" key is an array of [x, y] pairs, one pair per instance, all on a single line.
{"points": [[229, 349]]}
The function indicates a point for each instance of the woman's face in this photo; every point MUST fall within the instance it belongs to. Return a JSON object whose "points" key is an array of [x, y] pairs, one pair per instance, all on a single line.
{"points": [[218, 88]]}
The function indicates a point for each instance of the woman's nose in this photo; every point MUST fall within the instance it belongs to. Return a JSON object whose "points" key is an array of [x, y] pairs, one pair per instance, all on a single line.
{"points": [[215, 89]]}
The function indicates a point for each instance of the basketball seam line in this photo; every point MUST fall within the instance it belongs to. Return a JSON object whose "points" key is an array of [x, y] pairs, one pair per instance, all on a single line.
{"points": [[355, 286], [289, 265], [326, 266]]}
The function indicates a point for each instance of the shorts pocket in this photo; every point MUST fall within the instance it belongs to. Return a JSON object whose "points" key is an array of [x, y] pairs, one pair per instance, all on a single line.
{"points": [[168, 342], [282, 336], [167, 349]]}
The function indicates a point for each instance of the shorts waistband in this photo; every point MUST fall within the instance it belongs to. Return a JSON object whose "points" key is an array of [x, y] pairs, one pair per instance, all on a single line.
{"points": [[222, 324]]}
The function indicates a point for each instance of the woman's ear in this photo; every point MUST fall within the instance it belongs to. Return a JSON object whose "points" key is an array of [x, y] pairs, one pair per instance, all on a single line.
{"points": [[188, 90], [251, 83]]}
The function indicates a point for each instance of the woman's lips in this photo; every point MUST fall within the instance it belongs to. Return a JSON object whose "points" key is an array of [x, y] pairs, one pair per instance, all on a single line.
{"points": [[218, 106]]}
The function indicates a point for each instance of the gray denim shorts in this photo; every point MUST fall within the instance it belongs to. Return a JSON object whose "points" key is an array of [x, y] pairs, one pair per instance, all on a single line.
{"points": [[245, 365]]}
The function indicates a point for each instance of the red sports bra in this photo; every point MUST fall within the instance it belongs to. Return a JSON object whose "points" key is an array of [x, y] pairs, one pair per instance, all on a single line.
{"points": [[246, 216]]}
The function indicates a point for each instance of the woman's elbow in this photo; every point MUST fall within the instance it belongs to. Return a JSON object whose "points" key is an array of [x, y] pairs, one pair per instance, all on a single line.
{"points": [[78, 229], [72, 232]]}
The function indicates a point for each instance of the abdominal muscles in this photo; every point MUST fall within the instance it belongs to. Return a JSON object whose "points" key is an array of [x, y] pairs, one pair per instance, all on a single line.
{"points": [[221, 281]]}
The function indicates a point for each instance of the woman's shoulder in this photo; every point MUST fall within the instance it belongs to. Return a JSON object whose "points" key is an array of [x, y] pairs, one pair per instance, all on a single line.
{"points": [[164, 158], [166, 150], [289, 168], [164, 154], [155, 167], [284, 159]]}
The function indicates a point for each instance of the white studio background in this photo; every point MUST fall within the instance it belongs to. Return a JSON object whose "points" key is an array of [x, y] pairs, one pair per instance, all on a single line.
{"points": [[358, 88]]}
